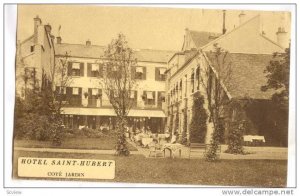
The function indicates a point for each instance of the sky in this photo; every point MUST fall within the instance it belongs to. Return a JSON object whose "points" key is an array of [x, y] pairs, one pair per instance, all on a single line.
{"points": [[144, 27]]}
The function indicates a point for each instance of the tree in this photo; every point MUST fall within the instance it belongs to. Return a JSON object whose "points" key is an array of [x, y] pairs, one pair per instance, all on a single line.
{"points": [[215, 79], [184, 139], [198, 127], [55, 96], [39, 114], [278, 72], [118, 83]]}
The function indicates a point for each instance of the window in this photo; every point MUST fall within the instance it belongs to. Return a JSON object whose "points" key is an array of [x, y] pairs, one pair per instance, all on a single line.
{"points": [[198, 78], [74, 95], [139, 72], [61, 90], [31, 48], [133, 97], [149, 97], [75, 69], [94, 96], [192, 82], [160, 74], [186, 86], [94, 70], [161, 98], [75, 91], [180, 88]]}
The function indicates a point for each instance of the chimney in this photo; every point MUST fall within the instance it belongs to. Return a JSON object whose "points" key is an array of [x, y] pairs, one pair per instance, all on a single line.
{"points": [[282, 37], [37, 22], [58, 40], [224, 18], [48, 28], [88, 43], [242, 17]]}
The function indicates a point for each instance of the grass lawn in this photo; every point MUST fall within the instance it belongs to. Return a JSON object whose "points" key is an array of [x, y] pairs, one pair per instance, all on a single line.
{"points": [[103, 143], [138, 169]]}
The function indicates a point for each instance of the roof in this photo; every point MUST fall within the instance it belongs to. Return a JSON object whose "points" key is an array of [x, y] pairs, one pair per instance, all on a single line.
{"points": [[202, 38], [96, 51], [247, 75], [224, 36]]}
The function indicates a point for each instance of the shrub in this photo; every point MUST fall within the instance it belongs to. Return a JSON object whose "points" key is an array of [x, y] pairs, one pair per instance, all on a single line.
{"points": [[198, 127], [184, 139], [235, 138]]}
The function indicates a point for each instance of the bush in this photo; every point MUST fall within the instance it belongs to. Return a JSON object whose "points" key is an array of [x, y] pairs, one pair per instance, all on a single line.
{"points": [[34, 127], [198, 127], [235, 138], [184, 139]]}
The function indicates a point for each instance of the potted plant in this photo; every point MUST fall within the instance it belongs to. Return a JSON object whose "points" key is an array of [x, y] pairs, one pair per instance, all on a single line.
{"points": [[98, 96], [86, 94]]}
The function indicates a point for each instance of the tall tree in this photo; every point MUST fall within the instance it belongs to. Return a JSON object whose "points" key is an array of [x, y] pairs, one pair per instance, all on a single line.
{"points": [[277, 73], [119, 83]]}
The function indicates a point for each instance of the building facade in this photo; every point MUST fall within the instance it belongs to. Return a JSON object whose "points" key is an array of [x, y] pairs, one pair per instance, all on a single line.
{"points": [[90, 106], [35, 58], [249, 52]]}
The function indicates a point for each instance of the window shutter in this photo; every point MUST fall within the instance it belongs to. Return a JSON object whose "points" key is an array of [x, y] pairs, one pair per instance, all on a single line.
{"points": [[100, 70], [90, 93], [144, 73], [153, 94], [81, 69], [133, 72], [69, 68], [68, 92], [80, 91], [99, 92], [157, 74], [89, 70]]}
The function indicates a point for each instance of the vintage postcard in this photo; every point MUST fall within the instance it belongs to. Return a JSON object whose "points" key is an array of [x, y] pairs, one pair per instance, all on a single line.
{"points": [[180, 96]]}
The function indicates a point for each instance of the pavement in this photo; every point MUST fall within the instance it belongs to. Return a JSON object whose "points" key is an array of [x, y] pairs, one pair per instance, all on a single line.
{"points": [[271, 153]]}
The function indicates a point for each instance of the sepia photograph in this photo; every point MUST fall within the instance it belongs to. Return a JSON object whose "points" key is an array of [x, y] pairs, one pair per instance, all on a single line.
{"points": [[152, 95]]}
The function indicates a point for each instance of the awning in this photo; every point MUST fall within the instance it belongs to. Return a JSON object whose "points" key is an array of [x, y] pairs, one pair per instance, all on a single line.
{"points": [[75, 91], [162, 71], [149, 95], [111, 112], [139, 69], [95, 67], [94, 91], [75, 66]]}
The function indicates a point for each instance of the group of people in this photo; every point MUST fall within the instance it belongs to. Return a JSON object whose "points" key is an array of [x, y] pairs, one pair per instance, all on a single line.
{"points": [[155, 138]]}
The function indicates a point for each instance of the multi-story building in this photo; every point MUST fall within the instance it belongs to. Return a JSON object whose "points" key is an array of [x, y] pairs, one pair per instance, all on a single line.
{"points": [[35, 58], [250, 51], [89, 105]]}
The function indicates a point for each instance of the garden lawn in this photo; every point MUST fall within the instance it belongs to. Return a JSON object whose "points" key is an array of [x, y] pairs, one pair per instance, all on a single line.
{"points": [[103, 143], [138, 169]]}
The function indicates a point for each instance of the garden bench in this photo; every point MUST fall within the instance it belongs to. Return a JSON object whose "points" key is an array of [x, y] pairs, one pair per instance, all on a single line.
{"points": [[197, 147]]}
